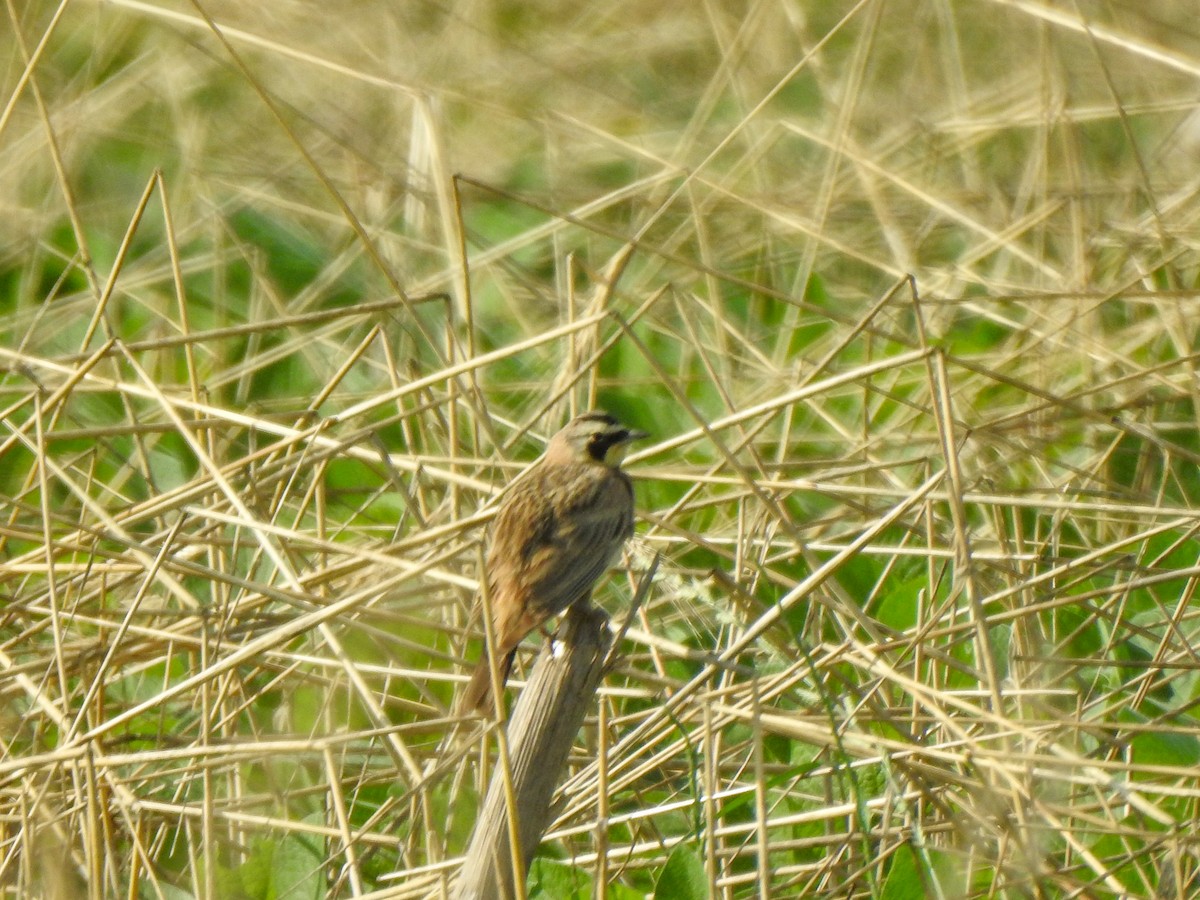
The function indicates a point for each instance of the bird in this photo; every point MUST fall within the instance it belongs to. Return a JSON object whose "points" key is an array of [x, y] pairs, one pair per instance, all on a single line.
{"points": [[562, 523]]}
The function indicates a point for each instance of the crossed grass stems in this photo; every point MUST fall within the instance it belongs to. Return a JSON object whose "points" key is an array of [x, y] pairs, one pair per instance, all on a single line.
{"points": [[764, 714]]}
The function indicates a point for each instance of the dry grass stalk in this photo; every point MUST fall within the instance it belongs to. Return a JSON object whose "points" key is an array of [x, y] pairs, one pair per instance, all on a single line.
{"points": [[926, 618]]}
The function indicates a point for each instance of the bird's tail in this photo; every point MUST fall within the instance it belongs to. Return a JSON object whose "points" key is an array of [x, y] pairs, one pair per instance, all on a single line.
{"points": [[478, 694]]}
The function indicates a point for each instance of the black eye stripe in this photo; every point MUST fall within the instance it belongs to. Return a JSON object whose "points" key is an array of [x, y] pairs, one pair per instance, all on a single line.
{"points": [[599, 443]]}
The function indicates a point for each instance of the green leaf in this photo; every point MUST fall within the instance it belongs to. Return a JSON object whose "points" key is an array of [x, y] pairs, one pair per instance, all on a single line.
{"points": [[1153, 748], [298, 866], [898, 607], [683, 877], [903, 880], [550, 879]]}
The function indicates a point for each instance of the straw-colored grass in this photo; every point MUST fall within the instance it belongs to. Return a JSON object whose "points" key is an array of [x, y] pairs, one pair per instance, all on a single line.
{"points": [[290, 292]]}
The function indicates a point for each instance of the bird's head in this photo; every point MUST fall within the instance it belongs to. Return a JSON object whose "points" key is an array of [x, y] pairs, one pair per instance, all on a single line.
{"points": [[595, 437]]}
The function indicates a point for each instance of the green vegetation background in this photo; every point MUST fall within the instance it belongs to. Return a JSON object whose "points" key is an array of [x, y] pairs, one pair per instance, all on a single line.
{"points": [[289, 291]]}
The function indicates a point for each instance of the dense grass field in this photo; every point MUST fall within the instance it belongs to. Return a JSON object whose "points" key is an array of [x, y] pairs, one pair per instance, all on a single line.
{"points": [[905, 293]]}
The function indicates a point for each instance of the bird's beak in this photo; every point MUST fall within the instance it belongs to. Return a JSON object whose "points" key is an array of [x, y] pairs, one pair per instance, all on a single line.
{"points": [[634, 435]]}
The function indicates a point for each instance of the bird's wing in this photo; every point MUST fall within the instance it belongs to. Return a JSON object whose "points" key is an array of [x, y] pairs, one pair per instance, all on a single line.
{"points": [[578, 550]]}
